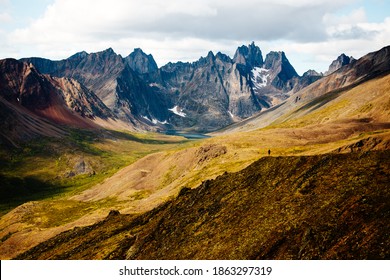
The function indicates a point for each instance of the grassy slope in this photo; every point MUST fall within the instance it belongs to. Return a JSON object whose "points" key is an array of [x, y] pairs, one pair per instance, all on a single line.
{"points": [[368, 102], [40, 169], [38, 173], [333, 206]]}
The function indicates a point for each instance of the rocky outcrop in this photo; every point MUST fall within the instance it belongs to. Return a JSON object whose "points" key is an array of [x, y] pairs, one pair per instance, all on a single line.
{"points": [[339, 62], [249, 56], [282, 71], [307, 79], [80, 167], [367, 144], [141, 62]]}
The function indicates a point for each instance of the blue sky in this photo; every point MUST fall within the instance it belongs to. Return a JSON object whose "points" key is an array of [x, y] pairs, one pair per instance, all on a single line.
{"points": [[312, 33]]}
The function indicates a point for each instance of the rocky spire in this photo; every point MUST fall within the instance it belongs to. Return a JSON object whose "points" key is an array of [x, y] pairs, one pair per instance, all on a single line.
{"points": [[249, 56], [141, 62], [339, 62]]}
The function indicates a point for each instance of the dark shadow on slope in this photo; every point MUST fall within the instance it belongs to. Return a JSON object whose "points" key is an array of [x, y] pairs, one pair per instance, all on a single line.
{"points": [[15, 191]]}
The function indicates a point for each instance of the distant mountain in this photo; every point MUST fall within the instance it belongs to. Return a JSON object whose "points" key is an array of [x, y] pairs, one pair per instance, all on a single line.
{"points": [[216, 90], [205, 95], [275, 80], [212, 92], [110, 77], [140, 62], [309, 77], [249, 56], [339, 62], [34, 104]]}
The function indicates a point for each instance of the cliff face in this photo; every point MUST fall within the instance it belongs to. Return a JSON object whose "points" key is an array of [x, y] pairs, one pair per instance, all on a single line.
{"points": [[339, 62], [141, 62], [211, 92]]}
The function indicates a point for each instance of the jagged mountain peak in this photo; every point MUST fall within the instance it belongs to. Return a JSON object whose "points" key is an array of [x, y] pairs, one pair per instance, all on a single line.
{"points": [[138, 50], [205, 60], [109, 50], [141, 62], [311, 72], [343, 57], [339, 62], [210, 55], [106, 54], [275, 60], [250, 56], [273, 57], [223, 57], [79, 55]]}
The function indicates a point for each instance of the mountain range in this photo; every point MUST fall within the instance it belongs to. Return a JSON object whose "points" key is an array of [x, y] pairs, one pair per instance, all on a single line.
{"points": [[297, 167], [202, 96]]}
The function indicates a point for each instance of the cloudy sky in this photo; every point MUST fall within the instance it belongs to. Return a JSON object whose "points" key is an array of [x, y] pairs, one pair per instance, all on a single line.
{"points": [[312, 33]]}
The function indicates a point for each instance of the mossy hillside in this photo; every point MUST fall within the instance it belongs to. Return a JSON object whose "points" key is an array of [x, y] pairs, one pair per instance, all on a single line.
{"points": [[40, 169], [332, 206]]}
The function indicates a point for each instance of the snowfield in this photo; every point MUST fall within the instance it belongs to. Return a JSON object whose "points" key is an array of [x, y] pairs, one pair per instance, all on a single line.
{"points": [[260, 77], [177, 111], [155, 121]]}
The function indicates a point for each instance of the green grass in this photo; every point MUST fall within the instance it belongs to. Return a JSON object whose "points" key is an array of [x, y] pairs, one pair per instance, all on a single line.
{"points": [[63, 211], [38, 170]]}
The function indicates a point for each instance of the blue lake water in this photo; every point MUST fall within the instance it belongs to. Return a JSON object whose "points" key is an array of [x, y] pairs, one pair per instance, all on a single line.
{"points": [[189, 135]]}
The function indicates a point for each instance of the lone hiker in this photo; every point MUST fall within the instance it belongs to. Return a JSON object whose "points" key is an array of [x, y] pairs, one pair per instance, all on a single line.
{"points": [[269, 152]]}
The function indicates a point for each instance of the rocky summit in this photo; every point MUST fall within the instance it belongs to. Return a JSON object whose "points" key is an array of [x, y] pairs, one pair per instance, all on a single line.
{"points": [[339, 62]]}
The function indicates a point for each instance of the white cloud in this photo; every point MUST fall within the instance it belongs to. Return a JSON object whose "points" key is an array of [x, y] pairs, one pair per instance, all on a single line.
{"points": [[350, 26], [90, 21], [5, 17], [172, 30], [355, 16], [372, 37]]}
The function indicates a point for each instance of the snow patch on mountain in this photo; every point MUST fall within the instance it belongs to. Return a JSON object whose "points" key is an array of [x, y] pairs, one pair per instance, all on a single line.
{"points": [[178, 111], [155, 121], [260, 77]]}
